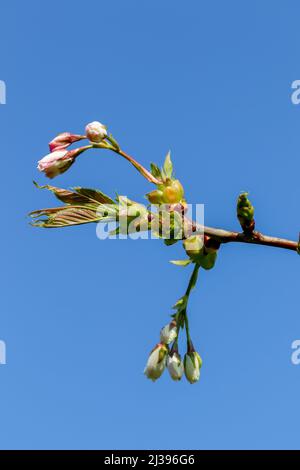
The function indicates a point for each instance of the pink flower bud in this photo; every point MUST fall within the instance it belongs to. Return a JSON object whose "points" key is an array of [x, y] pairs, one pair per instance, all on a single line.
{"points": [[62, 141], [96, 132], [58, 162]]}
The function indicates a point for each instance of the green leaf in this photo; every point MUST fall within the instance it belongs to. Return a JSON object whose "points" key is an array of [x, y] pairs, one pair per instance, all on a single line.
{"points": [[155, 171], [78, 196], [64, 216], [180, 304], [113, 142], [181, 262], [170, 241], [168, 166], [64, 195], [94, 195]]}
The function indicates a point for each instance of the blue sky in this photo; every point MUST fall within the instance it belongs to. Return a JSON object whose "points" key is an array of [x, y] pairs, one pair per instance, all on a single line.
{"points": [[79, 315]]}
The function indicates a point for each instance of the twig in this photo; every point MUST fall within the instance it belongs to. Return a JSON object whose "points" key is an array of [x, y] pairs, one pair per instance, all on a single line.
{"points": [[256, 238]]}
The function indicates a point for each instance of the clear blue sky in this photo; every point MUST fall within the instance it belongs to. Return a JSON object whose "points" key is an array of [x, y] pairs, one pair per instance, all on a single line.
{"points": [[79, 316]]}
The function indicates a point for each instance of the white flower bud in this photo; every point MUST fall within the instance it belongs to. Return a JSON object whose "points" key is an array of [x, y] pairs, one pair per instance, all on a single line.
{"points": [[168, 333], [156, 362], [95, 132], [192, 366], [175, 366]]}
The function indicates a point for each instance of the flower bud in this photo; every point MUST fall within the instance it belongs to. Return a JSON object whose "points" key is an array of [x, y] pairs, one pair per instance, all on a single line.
{"points": [[193, 246], [245, 213], [192, 366], [207, 260], [168, 333], [156, 362], [155, 197], [58, 162], [175, 366], [95, 132], [173, 192], [62, 141]]}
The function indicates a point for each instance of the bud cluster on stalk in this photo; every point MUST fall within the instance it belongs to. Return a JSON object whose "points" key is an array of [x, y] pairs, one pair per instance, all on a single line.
{"points": [[60, 159], [84, 205], [162, 356]]}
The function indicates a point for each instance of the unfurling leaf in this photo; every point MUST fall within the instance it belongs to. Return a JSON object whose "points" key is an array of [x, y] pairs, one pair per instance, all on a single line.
{"points": [[78, 196], [94, 195], [180, 304], [82, 206], [64, 195], [181, 262], [64, 216], [113, 142], [155, 171], [168, 166]]}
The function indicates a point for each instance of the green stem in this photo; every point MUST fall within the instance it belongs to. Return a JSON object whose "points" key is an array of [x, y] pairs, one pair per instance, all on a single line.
{"points": [[175, 344], [187, 329], [191, 285], [193, 280]]}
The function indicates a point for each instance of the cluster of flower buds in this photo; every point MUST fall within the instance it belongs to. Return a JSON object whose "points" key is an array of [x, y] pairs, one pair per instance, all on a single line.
{"points": [[170, 192], [163, 356], [60, 159]]}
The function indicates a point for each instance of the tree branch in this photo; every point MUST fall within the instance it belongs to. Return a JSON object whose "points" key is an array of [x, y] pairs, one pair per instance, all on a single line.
{"points": [[256, 238]]}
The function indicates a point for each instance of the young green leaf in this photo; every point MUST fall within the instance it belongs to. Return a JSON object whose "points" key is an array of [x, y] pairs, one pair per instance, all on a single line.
{"points": [[155, 171], [168, 166], [113, 142], [64, 195], [78, 196], [64, 216], [94, 195], [181, 304], [181, 262]]}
